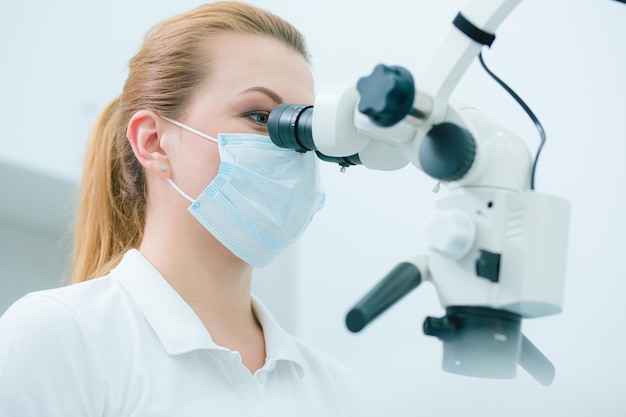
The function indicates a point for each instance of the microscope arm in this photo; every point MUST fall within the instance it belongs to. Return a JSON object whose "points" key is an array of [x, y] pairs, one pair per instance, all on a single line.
{"points": [[458, 51]]}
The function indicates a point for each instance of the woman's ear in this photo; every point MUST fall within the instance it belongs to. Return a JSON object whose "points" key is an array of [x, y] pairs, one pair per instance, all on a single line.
{"points": [[144, 135]]}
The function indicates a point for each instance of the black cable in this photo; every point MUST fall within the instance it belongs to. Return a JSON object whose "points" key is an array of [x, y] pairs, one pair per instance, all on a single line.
{"points": [[528, 111]]}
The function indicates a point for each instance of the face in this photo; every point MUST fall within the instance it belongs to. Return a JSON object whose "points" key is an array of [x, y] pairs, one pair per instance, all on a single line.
{"points": [[250, 75]]}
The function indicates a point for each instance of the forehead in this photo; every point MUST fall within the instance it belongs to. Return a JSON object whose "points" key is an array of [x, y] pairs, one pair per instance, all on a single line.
{"points": [[241, 61]]}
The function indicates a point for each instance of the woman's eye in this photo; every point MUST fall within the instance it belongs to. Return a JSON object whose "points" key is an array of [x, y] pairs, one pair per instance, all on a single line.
{"points": [[259, 117]]}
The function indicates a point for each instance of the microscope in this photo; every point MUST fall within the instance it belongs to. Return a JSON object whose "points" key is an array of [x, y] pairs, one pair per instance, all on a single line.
{"points": [[496, 248]]}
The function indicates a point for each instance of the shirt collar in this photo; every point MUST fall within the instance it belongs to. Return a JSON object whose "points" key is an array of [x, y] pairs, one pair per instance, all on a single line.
{"points": [[177, 326], [279, 345]]}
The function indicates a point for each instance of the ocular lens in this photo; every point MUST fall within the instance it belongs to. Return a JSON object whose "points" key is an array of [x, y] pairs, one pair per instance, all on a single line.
{"points": [[290, 126]]}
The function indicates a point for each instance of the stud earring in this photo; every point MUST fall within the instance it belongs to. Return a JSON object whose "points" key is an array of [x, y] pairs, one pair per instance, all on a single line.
{"points": [[163, 168]]}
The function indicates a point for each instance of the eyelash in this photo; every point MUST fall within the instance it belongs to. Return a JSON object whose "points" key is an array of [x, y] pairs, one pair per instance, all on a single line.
{"points": [[264, 114]]}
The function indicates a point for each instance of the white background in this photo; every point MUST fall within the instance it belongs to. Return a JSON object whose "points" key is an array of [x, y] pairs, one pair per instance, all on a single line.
{"points": [[62, 61]]}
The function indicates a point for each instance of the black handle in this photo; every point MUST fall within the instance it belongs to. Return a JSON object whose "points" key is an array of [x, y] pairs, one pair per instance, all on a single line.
{"points": [[399, 282]]}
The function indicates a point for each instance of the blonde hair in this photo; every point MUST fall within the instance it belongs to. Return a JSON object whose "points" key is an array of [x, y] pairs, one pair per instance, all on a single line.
{"points": [[162, 77]]}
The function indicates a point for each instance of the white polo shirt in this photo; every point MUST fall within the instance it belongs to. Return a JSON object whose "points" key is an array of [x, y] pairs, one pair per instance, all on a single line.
{"points": [[128, 345]]}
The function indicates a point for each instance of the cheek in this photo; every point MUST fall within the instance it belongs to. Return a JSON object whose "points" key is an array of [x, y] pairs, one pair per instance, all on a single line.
{"points": [[197, 169]]}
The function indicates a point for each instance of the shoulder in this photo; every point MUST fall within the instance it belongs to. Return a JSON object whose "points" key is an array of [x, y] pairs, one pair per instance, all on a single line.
{"points": [[59, 314], [73, 303], [46, 349], [42, 310], [61, 322], [74, 317]]}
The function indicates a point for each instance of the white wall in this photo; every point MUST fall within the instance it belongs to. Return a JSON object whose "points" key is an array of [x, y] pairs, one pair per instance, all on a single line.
{"points": [[36, 210], [566, 58]]}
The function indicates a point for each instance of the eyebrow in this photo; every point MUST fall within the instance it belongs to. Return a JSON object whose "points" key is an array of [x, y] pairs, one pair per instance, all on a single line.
{"points": [[264, 90]]}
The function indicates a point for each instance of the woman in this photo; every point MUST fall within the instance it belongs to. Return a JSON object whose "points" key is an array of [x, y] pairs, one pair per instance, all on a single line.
{"points": [[182, 195]]}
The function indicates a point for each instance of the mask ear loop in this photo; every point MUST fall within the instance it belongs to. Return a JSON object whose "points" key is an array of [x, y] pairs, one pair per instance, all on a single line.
{"points": [[190, 129], [181, 192]]}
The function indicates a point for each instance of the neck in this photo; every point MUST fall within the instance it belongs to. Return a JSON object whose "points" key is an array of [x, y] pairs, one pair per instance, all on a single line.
{"points": [[214, 282]]}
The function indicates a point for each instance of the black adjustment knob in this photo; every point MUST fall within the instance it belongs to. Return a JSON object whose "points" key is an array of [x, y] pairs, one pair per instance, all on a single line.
{"points": [[447, 152], [488, 265], [442, 328], [387, 94]]}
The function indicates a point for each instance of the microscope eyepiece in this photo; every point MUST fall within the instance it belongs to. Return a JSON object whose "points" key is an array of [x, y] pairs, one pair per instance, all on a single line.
{"points": [[290, 126]]}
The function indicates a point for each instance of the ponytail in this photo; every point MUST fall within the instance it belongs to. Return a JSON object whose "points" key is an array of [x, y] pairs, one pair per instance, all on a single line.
{"points": [[110, 215]]}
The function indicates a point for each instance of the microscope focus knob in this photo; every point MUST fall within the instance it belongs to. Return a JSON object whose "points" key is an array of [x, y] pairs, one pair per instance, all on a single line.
{"points": [[447, 152], [387, 94]]}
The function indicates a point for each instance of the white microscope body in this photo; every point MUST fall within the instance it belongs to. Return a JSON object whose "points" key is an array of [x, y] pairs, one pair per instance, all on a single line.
{"points": [[496, 248]]}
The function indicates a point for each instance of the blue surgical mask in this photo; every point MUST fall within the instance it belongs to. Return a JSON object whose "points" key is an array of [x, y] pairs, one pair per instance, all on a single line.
{"points": [[262, 199]]}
